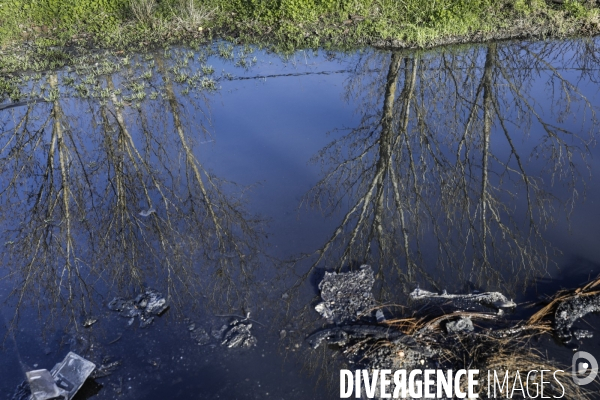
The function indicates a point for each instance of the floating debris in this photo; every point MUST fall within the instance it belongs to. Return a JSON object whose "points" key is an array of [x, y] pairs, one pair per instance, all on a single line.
{"points": [[89, 322], [63, 381], [342, 335], [567, 307], [217, 333], [444, 336], [239, 336], [494, 300], [199, 335], [346, 296], [572, 309], [582, 334], [106, 369], [145, 306], [42, 385], [147, 213], [461, 325]]}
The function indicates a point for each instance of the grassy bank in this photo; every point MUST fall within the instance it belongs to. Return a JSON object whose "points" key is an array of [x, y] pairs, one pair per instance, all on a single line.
{"points": [[50, 25]]}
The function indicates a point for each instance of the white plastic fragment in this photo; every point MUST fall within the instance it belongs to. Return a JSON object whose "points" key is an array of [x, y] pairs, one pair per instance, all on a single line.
{"points": [[145, 213], [42, 385], [71, 373], [63, 381], [380, 316]]}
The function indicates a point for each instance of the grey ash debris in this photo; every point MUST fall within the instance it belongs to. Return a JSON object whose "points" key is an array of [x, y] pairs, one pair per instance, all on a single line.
{"points": [[144, 306], [239, 335], [572, 309], [349, 305], [494, 300], [199, 334], [347, 296], [463, 324]]}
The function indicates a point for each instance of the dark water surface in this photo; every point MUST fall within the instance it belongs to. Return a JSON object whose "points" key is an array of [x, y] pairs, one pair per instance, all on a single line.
{"points": [[455, 169]]}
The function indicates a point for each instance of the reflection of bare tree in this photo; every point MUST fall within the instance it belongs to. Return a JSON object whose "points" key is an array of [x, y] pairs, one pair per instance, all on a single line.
{"points": [[437, 178], [429, 168], [45, 231], [500, 237], [371, 170], [101, 203], [223, 219]]}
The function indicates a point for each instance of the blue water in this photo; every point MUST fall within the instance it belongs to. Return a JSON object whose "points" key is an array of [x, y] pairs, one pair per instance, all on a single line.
{"points": [[285, 147]]}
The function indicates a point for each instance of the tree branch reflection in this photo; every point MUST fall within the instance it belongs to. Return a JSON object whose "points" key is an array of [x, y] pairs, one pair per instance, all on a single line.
{"points": [[437, 165], [77, 176]]}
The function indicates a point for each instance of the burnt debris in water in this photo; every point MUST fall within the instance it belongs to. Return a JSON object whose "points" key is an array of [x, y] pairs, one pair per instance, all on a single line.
{"points": [[349, 304], [347, 296], [463, 324], [199, 334], [442, 331], [145, 306], [572, 309], [239, 335], [494, 300]]}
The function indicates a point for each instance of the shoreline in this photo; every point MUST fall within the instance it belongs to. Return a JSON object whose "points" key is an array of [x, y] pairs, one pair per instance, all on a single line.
{"points": [[40, 47]]}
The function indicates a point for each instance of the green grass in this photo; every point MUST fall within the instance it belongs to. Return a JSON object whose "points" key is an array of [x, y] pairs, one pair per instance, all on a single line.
{"points": [[50, 26]]}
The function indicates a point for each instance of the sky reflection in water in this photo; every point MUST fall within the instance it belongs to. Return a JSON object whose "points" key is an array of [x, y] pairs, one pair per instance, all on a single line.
{"points": [[452, 169]]}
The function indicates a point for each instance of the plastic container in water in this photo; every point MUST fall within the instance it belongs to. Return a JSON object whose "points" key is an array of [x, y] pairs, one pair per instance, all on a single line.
{"points": [[42, 385], [65, 379]]}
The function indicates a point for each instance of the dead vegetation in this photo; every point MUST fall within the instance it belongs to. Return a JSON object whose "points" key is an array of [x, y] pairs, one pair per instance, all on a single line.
{"points": [[508, 353], [143, 10], [190, 16], [506, 347], [591, 288]]}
